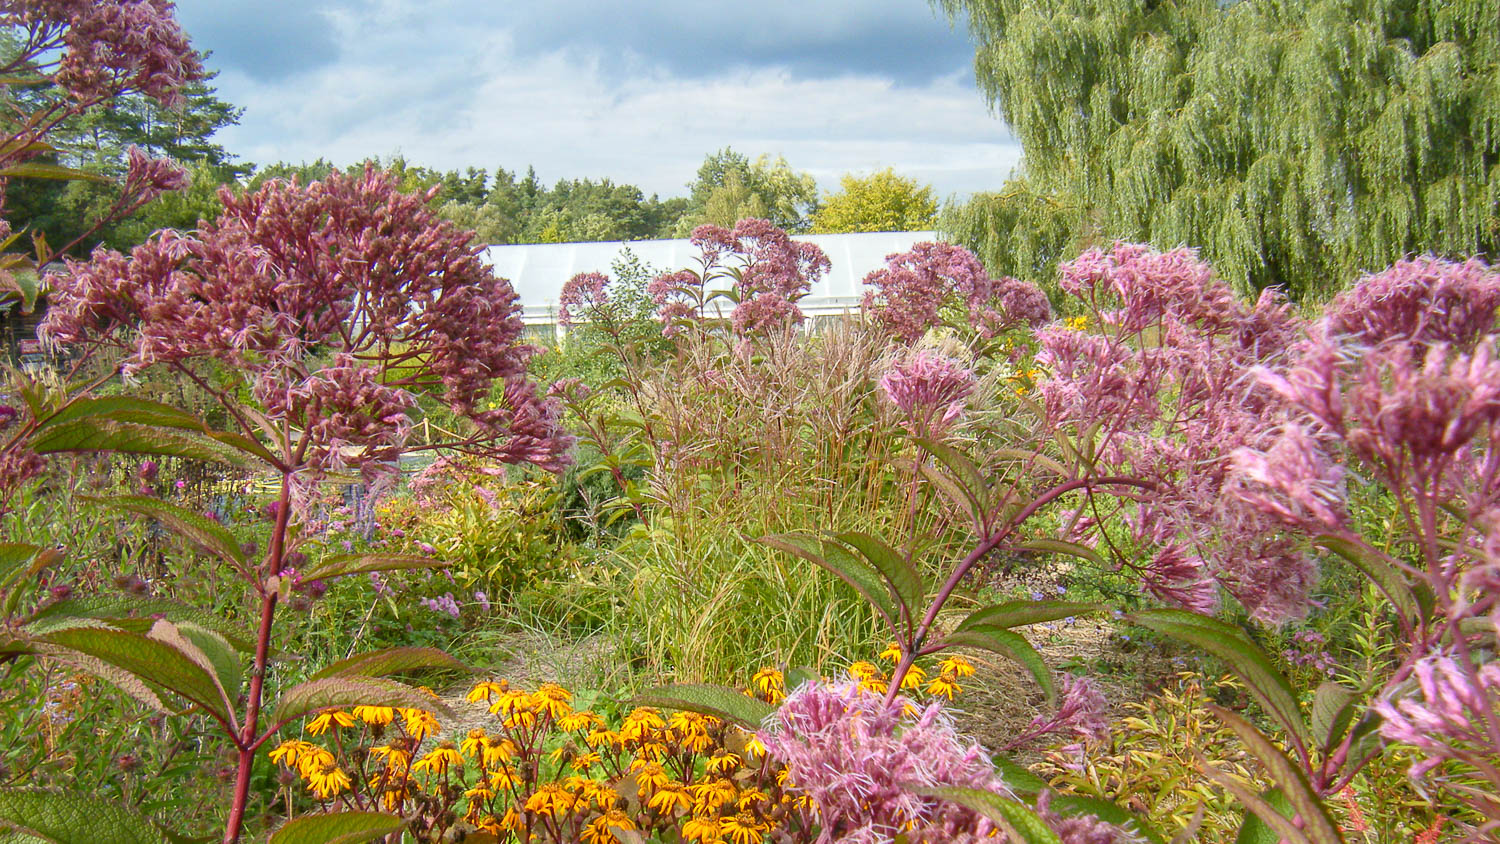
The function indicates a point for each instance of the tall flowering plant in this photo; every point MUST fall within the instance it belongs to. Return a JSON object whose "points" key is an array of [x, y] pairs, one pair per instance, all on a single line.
{"points": [[316, 317]]}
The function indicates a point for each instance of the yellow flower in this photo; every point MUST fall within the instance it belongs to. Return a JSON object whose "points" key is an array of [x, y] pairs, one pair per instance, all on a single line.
{"points": [[375, 716], [957, 666], [419, 723], [329, 718], [892, 652], [753, 747], [709, 795], [584, 761], [944, 685], [601, 737], [598, 830], [670, 798], [327, 781], [505, 776], [649, 775], [396, 758], [551, 800], [498, 752], [486, 691], [654, 751], [744, 829], [770, 683], [579, 721], [863, 670], [751, 797], [474, 744], [507, 699], [290, 751], [1077, 323], [722, 761], [914, 677], [639, 722], [439, 760], [483, 790], [702, 830], [553, 700]]}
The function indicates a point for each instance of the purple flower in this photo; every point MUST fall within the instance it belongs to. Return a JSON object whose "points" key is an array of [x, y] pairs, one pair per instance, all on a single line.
{"points": [[181, 484], [443, 604], [483, 600], [580, 295], [913, 289], [929, 389], [1424, 301]]}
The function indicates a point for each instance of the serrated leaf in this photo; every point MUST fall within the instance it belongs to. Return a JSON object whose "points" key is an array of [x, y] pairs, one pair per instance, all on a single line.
{"points": [[1316, 823], [221, 656], [138, 614], [718, 701], [1333, 710], [19, 561], [1386, 577], [1011, 645], [390, 661], [1021, 612], [1021, 821], [1267, 685], [124, 409], [194, 527], [961, 469], [121, 679], [68, 818], [898, 571], [342, 564], [1062, 546], [338, 828], [345, 692], [845, 566], [155, 662], [951, 490], [1265, 821], [94, 434], [168, 634]]}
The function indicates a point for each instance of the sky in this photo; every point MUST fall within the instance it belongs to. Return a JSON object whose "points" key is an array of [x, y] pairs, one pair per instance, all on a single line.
{"points": [[638, 91]]}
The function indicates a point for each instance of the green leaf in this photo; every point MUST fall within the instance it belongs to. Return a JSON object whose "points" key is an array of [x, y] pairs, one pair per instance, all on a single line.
{"points": [[221, 656], [1386, 577], [169, 634], [1246, 658], [39, 170], [718, 701], [344, 692], [98, 434], [1333, 710], [1267, 816], [70, 818], [124, 409], [1316, 823], [391, 661], [847, 567], [342, 564], [1019, 820], [194, 527], [338, 828], [894, 567], [138, 614], [1062, 546], [1019, 613], [1011, 645], [154, 661], [121, 679], [965, 474], [1078, 806]]}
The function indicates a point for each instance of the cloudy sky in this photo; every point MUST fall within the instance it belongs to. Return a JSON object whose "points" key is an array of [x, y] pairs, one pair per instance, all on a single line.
{"points": [[635, 91]]}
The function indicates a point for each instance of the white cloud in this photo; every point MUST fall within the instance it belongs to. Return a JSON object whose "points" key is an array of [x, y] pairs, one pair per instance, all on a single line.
{"points": [[448, 93]]}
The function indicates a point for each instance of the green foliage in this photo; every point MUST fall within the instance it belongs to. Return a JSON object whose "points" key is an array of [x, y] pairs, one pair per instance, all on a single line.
{"points": [[74, 818], [1296, 143], [879, 202], [338, 828], [501, 541], [731, 187]]}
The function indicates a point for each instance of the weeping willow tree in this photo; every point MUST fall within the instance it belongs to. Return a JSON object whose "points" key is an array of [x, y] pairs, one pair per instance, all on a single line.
{"points": [[1296, 142]]}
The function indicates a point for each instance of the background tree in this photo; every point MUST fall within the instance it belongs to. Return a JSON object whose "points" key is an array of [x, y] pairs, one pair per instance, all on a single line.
{"points": [[879, 202], [731, 187], [1294, 142]]}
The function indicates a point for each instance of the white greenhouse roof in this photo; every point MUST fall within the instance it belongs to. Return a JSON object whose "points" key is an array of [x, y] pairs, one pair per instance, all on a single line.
{"points": [[538, 270]]}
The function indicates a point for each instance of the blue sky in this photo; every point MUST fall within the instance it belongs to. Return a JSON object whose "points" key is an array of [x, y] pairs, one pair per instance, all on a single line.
{"points": [[635, 91]]}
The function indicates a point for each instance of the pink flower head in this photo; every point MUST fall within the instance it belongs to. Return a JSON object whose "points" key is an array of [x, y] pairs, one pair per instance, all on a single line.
{"points": [[1424, 301], [580, 295], [856, 758], [338, 303], [1296, 481], [767, 272], [149, 177], [913, 289], [1150, 285], [929, 389], [110, 47], [1444, 716]]}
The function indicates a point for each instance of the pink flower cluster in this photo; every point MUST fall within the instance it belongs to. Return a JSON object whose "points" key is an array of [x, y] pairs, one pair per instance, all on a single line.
{"points": [[337, 303], [1453, 715], [914, 288], [1424, 300], [856, 759], [581, 294], [109, 47], [929, 389], [1167, 388], [767, 271]]}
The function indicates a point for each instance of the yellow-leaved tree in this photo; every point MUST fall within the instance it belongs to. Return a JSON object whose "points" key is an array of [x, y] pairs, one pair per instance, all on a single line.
{"points": [[879, 202]]}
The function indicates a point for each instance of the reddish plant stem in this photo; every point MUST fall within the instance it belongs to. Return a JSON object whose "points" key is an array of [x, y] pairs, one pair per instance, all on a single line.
{"points": [[245, 741]]}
